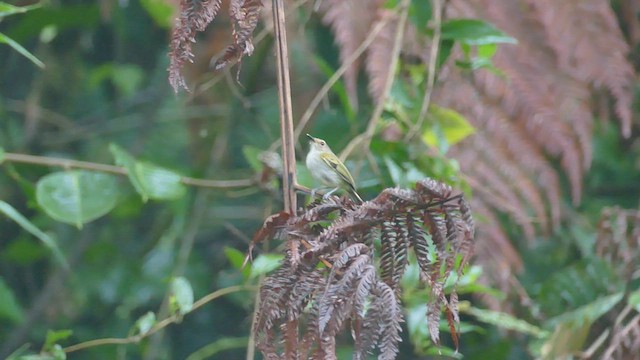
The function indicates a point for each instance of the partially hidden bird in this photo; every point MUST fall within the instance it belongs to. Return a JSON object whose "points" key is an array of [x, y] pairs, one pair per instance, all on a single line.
{"points": [[327, 168]]}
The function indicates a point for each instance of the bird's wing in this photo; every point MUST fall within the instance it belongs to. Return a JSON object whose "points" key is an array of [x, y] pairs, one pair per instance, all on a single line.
{"points": [[334, 162]]}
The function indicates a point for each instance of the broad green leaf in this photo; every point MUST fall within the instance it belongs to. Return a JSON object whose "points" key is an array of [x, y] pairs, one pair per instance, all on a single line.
{"points": [[9, 307], [159, 10], [160, 183], [54, 336], [506, 321], [77, 197], [181, 295], [8, 9], [47, 240], [449, 123], [149, 180], [474, 32], [145, 322], [19, 48], [265, 263], [1, 154]]}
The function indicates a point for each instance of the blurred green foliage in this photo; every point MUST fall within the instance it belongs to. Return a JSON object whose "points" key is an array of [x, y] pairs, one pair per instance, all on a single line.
{"points": [[143, 248]]}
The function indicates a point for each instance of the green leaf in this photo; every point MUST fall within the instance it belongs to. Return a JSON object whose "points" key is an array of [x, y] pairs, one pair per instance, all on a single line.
{"points": [[145, 322], [448, 123], [252, 154], [265, 263], [127, 78], [181, 295], [37, 357], [47, 240], [474, 32], [338, 88], [8, 9], [159, 10], [77, 197], [487, 51], [1, 154], [19, 48], [58, 352], [506, 321], [236, 258], [634, 300], [9, 307], [420, 13], [149, 180], [54, 337], [589, 313]]}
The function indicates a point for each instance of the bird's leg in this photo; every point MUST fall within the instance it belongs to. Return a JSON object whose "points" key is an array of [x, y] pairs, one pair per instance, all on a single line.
{"points": [[326, 196]]}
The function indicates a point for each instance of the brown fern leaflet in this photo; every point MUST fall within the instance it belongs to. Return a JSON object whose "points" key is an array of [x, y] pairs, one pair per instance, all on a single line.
{"points": [[309, 304], [194, 17], [618, 242]]}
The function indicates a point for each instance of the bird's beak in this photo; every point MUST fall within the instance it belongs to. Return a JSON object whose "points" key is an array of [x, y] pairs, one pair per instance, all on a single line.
{"points": [[311, 138]]}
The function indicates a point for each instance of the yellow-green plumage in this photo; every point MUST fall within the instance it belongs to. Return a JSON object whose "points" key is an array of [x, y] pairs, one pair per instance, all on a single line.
{"points": [[327, 168]]}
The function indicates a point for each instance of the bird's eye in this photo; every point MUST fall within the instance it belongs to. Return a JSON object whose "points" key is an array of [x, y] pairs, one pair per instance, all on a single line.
{"points": [[322, 143]]}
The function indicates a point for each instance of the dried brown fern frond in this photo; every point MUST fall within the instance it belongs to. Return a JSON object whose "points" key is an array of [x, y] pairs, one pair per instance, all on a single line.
{"points": [[618, 242], [351, 21], [244, 17], [353, 291], [194, 17], [579, 31]]}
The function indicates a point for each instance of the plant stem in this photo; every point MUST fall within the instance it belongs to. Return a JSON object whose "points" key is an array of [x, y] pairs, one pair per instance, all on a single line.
{"points": [[286, 115], [159, 325], [75, 164]]}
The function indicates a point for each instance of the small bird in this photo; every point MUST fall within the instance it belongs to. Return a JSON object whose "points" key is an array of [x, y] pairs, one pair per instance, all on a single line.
{"points": [[325, 167]]}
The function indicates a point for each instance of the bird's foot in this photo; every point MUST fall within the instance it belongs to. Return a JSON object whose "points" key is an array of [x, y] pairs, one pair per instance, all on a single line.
{"points": [[327, 195]]}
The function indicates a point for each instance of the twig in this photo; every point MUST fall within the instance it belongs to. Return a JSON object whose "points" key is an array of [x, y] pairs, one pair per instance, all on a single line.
{"points": [[159, 325], [75, 164], [431, 76], [286, 113], [365, 138]]}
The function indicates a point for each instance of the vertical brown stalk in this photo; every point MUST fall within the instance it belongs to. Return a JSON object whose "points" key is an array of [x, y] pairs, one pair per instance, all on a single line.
{"points": [[288, 148], [286, 116]]}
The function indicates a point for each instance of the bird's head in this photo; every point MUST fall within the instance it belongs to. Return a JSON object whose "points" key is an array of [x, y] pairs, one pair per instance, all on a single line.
{"points": [[318, 144]]}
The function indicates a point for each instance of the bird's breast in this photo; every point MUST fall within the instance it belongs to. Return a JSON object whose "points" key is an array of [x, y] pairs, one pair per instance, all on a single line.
{"points": [[321, 171]]}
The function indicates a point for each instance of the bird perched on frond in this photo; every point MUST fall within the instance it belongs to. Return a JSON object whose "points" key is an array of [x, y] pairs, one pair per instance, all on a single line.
{"points": [[327, 168]]}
